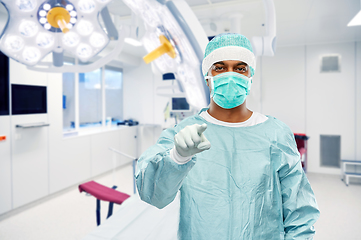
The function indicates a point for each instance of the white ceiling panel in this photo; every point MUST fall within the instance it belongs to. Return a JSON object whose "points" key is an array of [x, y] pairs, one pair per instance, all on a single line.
{"points": [[291, 33], [325, 30], [334, 8], [291, 10], [196, 2], [234, 1]]}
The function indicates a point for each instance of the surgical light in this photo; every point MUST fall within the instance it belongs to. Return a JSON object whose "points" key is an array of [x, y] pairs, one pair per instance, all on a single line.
{"points": [[47, 26], [45, 40], [73, 13], [14, 43], [47, 6], [85, 27], [36, 28], [26, 5], [31, 54], [173, 45], [69, 7], [43, 20], [28, 28], [97, 40], [86, 6], [42, 13], [84, 50], [71, 39]]}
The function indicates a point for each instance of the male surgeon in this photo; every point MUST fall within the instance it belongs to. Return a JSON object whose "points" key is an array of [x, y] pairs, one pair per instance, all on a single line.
{"points": [[238, 172]]}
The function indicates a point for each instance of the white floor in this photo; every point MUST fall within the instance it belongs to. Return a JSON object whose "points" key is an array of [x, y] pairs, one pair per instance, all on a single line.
{"points": [[71, 215], [66, 217]]}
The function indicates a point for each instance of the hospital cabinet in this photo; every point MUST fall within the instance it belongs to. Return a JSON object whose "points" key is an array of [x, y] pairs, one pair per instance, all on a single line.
{"points": [[31, 168], [345, 175]]}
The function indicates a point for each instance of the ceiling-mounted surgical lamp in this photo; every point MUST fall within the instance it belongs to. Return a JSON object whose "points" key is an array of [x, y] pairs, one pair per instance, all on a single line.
{"points": [[175, 42], [36, 28], [266, 45]]}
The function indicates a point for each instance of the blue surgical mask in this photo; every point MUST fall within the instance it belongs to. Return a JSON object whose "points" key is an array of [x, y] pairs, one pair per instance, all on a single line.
{"points": [[230, 89]]}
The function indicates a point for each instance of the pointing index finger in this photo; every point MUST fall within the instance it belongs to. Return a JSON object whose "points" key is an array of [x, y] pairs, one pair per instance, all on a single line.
{"points": [[201, 128]]}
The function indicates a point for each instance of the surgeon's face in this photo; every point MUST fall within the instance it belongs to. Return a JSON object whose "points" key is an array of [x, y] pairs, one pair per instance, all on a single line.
{"points": [[230, 66]]}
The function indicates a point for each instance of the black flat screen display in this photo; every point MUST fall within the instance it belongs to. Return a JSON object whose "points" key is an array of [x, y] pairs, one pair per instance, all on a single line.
{"points": [[180, 104], [26, 99], [4, 84]]}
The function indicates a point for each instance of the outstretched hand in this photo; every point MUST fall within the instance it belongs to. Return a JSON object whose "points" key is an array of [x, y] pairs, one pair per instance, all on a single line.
{"points": [[191, 140]]}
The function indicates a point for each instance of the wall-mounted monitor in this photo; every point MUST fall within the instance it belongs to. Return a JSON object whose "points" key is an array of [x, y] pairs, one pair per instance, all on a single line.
{"points": [[179, 104], [28, 99], [4, 85]]}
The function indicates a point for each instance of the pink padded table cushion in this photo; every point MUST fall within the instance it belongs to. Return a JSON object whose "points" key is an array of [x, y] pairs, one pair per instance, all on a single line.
{"points": [[103, 193]]}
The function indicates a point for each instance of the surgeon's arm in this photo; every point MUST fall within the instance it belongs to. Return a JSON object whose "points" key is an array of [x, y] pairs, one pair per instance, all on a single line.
{"points": [[159, 177], [300, 210]]}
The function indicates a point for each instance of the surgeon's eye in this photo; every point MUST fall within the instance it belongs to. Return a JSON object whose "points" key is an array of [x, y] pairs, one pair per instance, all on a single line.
{"points": [[241, 69], [218, 68]]}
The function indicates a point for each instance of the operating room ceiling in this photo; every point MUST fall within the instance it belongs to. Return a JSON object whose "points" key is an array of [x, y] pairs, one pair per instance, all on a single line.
{"points": [[298, 22]]}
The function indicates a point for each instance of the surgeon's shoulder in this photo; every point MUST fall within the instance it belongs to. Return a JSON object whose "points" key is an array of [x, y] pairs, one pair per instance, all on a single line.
{"points": [[279, 128]]}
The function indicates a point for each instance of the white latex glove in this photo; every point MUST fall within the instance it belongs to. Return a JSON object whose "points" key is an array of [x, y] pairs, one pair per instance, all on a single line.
{"points": [[191, 140]]}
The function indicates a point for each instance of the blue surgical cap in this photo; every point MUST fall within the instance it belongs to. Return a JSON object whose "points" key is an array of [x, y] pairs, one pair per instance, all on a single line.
{"points": [[229, 46]]}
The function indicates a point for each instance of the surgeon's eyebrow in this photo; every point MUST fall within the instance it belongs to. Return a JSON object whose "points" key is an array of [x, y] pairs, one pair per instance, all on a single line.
{"points": [[238, 64]]}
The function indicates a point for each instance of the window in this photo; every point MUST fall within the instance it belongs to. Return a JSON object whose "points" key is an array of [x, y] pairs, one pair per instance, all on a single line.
{"points": [[90, 100], [68, 101], [69, 98], [114, 93]]}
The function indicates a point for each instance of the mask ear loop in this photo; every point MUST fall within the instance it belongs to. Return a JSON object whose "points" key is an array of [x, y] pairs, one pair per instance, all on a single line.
{"points": [[250, 84], [211, 83]]}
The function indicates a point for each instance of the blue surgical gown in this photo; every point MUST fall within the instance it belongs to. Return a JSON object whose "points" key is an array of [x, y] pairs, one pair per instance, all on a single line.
{"points": [[248, 185]]}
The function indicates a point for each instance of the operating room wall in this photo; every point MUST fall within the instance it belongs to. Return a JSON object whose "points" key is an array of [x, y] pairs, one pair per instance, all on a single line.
{"points": [[5, 165], [29, 146], [142, 104], [38, 162], [294, 90], [141, 101], [358, 100]]}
